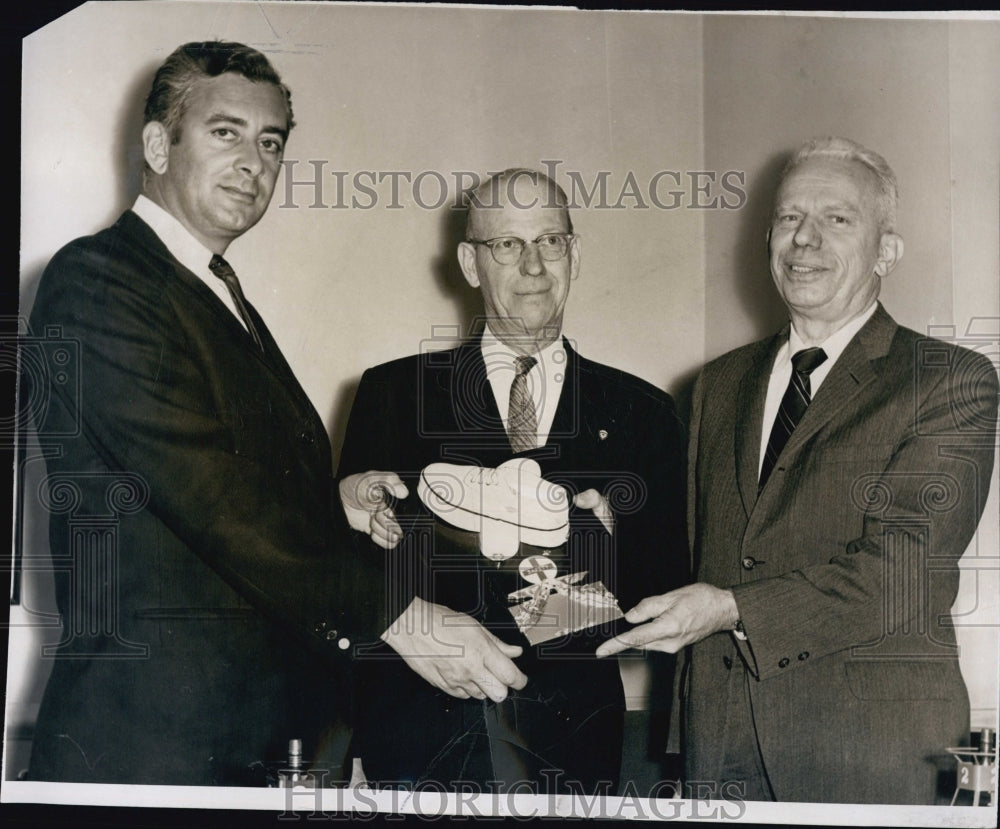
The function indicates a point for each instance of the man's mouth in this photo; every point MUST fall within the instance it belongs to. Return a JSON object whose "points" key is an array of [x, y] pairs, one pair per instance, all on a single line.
{"points": [[248, 196], [803, 270]]}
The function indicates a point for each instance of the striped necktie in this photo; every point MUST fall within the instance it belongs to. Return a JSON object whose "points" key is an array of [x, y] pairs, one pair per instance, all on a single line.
{"points": [[793, 406], [522, 421], [222, 269]]}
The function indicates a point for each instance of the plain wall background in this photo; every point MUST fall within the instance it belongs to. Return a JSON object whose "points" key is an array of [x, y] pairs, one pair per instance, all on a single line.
{"points": [[476, 90]]}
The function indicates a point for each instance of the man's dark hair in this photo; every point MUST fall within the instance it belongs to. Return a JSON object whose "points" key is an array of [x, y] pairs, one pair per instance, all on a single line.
{"points": [[192, 62]]}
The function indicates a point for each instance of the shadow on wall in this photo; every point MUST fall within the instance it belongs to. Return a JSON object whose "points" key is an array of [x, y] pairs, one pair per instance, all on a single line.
{"points": [[126, 137], [758, 299], [447, 273], [446, 279]]}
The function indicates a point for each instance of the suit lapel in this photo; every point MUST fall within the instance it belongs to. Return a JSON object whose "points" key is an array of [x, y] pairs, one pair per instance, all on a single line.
{"points": [[198, 292], [851, 374], [566, 421], [751, 396]]}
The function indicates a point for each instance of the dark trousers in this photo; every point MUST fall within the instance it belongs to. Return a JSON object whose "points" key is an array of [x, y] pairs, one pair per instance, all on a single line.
{"points": [[562, 733]]}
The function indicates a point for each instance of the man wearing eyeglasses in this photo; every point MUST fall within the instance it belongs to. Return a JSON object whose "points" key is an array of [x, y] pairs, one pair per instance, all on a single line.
{"points": [[459, 693]]}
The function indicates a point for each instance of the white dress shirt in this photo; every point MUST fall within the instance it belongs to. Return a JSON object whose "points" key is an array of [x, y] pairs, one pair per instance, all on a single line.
{"points": [[781, 371], [545, 380], [187, 250]]}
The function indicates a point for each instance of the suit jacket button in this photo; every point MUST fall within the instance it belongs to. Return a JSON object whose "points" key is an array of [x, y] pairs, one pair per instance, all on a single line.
{"points": [[331, 635], [783, 663], [344, 643], [727, 662], [749, 562], [319, 627], [803, 656]]}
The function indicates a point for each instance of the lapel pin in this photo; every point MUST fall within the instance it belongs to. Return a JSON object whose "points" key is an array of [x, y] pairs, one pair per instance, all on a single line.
{"points": [[603, 434]]}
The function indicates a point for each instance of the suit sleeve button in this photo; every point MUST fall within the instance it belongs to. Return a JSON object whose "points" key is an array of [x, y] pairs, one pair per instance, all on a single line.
{"points": [[344, 643], [749, 562], [331, 635], [727, 662], [783, 663], [803, 656], [318, 628]]}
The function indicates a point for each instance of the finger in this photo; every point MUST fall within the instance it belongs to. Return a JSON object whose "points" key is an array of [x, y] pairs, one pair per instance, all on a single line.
{"points": [[385, 540], [612, 646], [649, 608], [659, 635], [471, 689], [511, 651], [383, 518], [493, 688], [505, 672], [395, 485]]}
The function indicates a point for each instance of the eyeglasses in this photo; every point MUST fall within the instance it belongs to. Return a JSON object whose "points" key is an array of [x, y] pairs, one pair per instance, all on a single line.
{"points": [[507, 250]]}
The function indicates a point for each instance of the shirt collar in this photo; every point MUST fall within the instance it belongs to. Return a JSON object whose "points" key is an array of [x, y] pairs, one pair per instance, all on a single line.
{"points": [[492, 347], [835, 344], [187, 250]]}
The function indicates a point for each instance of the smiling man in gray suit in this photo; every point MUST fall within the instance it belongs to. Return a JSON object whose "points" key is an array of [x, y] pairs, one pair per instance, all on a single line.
{"points": [[838, 471]]}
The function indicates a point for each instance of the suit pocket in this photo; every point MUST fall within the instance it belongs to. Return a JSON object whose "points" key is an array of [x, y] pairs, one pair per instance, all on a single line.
{"points": [[904, 680]]}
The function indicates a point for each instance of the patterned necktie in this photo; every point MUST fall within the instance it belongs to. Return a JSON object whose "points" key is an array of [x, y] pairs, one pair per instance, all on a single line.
{"points": [[222, 269], [522, 422], [793, 406]]}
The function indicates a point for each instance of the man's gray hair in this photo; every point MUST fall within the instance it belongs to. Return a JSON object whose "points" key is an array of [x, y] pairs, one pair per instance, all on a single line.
{"points": [[843, 148]]}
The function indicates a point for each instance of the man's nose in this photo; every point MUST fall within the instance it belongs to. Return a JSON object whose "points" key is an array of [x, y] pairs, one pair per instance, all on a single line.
{"points": [[807, 234], [249, 159], [531, 260]]}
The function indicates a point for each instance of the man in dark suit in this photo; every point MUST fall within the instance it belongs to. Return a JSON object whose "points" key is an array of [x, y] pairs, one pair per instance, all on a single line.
{"points": [[204, 571], [837, 473], [458, 693]]}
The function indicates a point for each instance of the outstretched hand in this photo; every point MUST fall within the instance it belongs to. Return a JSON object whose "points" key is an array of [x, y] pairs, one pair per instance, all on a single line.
{"points": [[676, 619], [454, 653], [365, 498]]}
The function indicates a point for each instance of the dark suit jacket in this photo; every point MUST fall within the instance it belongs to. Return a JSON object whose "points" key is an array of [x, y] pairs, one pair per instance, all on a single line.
{"points": [[845, 567], [611, 431], [203, 569]]}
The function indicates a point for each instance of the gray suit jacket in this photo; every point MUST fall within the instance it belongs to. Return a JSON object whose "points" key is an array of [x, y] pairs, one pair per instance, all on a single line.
{"points": [[844, 567]]}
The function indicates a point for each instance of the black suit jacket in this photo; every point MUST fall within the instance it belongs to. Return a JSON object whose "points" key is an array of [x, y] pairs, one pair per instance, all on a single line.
{"points": [[207, 583], [612, 432], [845, 567]]}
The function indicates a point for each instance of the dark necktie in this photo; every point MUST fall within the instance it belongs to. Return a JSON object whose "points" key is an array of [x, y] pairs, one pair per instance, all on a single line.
{"points": [[793, 406], [522, 422], [222, 269]]}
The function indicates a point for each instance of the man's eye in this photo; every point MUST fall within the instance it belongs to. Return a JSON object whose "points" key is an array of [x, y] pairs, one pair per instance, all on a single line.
{"points": [[272, 145], [506, 244], [550, 241], [223, 132], [787, 218], [838, 220]]}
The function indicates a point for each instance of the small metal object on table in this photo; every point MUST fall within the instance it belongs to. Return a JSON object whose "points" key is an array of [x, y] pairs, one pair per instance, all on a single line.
{"points": [[977, 769]]}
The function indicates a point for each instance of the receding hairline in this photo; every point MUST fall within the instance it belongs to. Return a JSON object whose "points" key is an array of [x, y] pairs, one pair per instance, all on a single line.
{"points": [[878, 172], [496, 192]]}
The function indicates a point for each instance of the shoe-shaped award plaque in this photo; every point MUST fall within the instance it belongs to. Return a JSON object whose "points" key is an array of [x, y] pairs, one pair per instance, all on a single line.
{"points": [[506, 506]]}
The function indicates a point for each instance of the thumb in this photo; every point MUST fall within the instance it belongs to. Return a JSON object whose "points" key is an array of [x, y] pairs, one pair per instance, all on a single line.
{"points": [[394, 484], [612, 646], [588, 499]]}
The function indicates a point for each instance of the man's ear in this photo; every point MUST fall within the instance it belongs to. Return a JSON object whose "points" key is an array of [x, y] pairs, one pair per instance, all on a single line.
{"points": [[890, 251], [156, 146], [574, 257], [467, 261]]}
